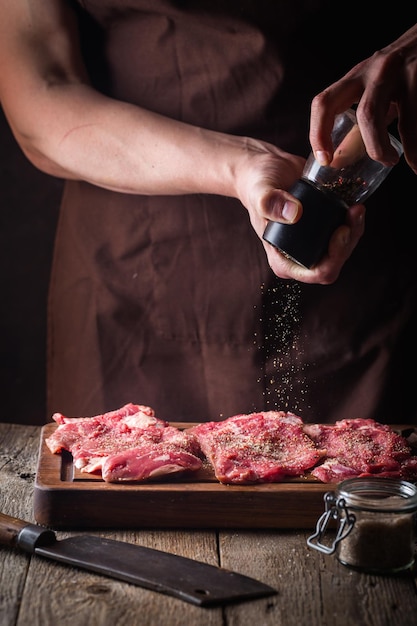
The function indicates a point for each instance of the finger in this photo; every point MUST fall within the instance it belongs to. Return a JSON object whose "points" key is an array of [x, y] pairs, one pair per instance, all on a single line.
{"points": [[407, 128], [372, 114], [341, 245], [281, 206], [324, 108], [286, 268], [326, 272], [346, 237]]}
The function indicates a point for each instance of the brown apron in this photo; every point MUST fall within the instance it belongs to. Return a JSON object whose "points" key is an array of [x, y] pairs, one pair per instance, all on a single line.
{"points": [[169, 301]]}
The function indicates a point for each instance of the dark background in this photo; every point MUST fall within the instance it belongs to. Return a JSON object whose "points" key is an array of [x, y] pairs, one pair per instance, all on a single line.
{"points": [[29, 202]]}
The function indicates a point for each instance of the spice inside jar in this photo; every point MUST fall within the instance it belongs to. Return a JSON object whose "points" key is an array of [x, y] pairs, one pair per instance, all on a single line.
{"points": [[376, 524], [378, 541]]}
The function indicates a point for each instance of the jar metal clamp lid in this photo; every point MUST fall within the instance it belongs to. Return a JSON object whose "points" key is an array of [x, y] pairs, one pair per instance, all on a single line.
{"points": [[335, 508]]}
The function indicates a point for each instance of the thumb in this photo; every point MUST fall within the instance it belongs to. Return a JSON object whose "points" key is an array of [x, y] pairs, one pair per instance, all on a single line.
{"points": [[280, 206]]}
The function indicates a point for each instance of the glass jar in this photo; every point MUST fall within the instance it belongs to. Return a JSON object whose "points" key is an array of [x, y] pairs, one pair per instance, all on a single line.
{"points": [[375, 524]]}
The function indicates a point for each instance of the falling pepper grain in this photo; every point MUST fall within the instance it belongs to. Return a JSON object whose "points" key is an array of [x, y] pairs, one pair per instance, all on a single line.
{"points": [[284, 378]]}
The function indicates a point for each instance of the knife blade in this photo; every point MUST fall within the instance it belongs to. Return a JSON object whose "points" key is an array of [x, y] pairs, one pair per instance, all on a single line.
{"points": [[184, 578]]}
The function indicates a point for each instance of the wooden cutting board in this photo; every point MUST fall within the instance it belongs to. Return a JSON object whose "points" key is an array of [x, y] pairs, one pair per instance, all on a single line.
{"points": [[65, 498]]}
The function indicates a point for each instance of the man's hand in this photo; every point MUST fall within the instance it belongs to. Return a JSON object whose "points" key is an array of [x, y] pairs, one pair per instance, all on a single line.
{"points": [[262, 183], [384, 87]]}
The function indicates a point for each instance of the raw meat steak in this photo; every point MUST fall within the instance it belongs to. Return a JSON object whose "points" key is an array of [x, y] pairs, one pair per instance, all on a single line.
{"points": [[361, 447], [128, 444], [169, 455], [257, 448]]}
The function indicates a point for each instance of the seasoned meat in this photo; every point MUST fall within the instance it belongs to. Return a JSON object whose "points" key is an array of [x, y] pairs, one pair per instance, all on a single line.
{"points": [[127, 444], [132, 444], [258, 447], [361, 447]]}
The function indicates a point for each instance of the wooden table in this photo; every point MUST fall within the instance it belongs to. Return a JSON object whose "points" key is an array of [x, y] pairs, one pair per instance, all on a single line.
{"points": [[313, 589]]}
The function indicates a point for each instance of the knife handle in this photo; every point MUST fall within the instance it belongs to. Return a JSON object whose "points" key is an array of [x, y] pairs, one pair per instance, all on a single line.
{"points": [[10, 528], [16, 532]]}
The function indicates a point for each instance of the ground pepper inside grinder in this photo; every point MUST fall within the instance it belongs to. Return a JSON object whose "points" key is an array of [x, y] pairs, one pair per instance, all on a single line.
{"points": [[376, 521]]}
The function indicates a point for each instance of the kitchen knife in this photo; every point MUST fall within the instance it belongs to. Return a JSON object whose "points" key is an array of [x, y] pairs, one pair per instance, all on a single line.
{"points": [[189, 580]]}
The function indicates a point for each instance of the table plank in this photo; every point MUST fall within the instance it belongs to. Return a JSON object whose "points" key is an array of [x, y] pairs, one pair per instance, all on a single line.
{"points": [[313, 588], [18, 457]]}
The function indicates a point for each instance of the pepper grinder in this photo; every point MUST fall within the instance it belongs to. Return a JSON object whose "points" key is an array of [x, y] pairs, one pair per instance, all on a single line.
{"points": [[327, 191]]}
